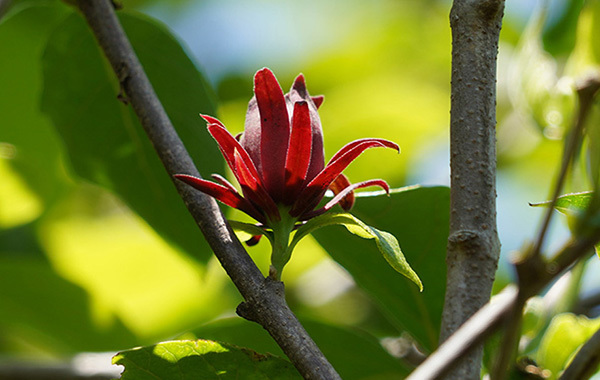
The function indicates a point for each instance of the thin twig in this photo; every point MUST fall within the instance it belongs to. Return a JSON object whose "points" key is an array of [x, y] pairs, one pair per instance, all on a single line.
{"points": [[586, 361], [470, 334], [490, 317], [532, 259], [473, 244], [265, 301]]}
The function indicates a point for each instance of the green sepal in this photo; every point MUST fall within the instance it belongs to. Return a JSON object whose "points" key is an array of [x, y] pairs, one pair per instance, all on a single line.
{"points": [[251, 229], [386, 242]]}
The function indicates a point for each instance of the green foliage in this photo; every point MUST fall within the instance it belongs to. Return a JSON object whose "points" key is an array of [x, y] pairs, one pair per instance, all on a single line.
{"points": [[202, 359], [103, 137], [566, 333], [418, 217], [354, 354], [386, 242]]}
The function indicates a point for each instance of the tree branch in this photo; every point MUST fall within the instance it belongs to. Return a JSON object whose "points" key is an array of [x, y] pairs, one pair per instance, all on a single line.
{"points": [[265, 300], [473, 245]]}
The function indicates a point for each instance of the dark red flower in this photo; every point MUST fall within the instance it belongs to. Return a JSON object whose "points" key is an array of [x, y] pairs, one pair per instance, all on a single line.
{"points": [[279, 160]]}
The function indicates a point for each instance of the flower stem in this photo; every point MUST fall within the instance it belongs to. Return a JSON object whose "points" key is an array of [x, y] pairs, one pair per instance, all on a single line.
{"points": [[281, 253]]}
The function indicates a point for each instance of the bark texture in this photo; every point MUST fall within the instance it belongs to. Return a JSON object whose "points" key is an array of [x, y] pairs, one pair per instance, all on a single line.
{"points": [[473, 245], [265, 301]]}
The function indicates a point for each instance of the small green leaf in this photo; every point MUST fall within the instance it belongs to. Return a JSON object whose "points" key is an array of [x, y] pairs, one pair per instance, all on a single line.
{"points": [[574, 206], [201, 359], [566, 333], [570, 204], [386, 242]]}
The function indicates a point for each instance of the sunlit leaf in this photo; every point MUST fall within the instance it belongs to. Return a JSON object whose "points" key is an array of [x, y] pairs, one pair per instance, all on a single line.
{"points": [[418, 217], [201, 359], [104, 140], [566, 333], [353, 353]]}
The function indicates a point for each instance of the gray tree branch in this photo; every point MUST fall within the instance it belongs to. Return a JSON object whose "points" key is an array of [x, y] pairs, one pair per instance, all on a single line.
{"points": [[264, 299], [473, 245]]}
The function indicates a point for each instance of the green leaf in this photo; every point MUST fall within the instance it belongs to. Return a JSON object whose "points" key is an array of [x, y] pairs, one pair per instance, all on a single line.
{"points": [[418, 217], [559, 38], [50, 313], [28, 141], [566, 333], [386, 242], [201, 359], [353, 353], [104, 140]]}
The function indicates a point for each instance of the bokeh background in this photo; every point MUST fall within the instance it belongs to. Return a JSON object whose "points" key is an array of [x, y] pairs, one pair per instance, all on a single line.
{"points": [[81, 271]]}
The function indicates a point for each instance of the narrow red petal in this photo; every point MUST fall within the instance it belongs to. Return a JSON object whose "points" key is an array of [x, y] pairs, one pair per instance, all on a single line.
{"points": [[348, 190], [253, 240], [222, 194], [275, 131], [353, 144], [314, 191], [337, 186], [244, 170], [253, 189], [212, 120], [318, 100], [299, 152], [223, 182], [229, 145]]}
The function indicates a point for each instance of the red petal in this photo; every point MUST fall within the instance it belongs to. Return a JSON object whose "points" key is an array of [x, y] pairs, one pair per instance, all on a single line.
{"points": [[299, 152], [314, 191], [212, 120], [337, 186], [318, 100], [244, 170], [275, 131], [253, 240], [348, 190], [222, 194], [353, 144], [224, 182]]}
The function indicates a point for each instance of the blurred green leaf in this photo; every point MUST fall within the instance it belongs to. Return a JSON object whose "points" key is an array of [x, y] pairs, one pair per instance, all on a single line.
{"points": [[566, 333], [104, 140], [201, 359], [50, 312], [27, 140], [386, 243], [354, 353], [559, 38], [418, 217]]}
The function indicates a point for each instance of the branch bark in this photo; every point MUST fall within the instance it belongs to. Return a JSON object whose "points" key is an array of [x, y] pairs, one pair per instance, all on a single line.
{"points": [[473, 245], [265, 300]]}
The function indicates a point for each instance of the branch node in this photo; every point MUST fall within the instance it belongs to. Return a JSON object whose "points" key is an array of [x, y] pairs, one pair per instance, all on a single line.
{"points": [[246, 311], [464, 240]]}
